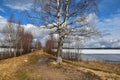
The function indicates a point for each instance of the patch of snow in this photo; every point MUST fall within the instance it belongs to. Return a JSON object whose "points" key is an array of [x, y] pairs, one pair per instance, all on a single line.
{"points": [[26, 60]]}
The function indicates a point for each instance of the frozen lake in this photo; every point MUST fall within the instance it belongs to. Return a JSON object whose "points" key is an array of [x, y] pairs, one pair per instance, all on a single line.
{"points": [[3, 50], [108, 55], [92, 51]]}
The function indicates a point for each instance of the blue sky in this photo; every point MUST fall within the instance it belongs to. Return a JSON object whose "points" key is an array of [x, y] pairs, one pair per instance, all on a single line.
{"points": [[106, 8], [108, 16]]}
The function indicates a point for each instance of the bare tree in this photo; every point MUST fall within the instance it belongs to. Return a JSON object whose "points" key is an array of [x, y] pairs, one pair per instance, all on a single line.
{"points": [[67, 16], [49, 45], [27, 39], [9, 33], [38, 45], [18, 37], [79, 43]]}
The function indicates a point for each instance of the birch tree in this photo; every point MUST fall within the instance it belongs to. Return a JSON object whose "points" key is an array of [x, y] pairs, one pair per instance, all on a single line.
{"points": [[9, 33], [67, 16], [19, 37]]}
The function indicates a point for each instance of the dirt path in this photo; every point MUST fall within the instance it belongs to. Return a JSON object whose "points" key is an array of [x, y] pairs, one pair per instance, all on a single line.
{"points": [[41, 66], [63, 72], [104, 75]]}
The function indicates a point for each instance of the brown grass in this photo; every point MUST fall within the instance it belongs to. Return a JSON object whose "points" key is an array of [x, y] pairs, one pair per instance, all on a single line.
{"points": [[99, 66], [17, 69], [42, 66], [107, 71], [9, 67]]}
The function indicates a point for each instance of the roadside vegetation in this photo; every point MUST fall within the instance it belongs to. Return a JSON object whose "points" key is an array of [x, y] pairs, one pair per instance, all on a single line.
{"points": [[39, 65]]}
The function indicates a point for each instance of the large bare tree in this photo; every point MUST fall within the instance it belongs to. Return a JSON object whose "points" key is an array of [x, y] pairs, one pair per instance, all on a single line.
{"points": [[67, 16]]}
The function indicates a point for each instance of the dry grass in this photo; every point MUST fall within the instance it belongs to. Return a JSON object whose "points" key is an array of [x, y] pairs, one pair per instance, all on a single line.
{"points": [[9, 67], [99, 66], [34, 69], [41, 66], [107, 71]]}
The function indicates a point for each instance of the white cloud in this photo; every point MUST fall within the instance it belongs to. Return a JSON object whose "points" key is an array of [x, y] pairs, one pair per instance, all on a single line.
{"points": [[40, 33], [113, 21], [92, 19], [103, 43], [111, 24], [20, 4], [3, 22]]}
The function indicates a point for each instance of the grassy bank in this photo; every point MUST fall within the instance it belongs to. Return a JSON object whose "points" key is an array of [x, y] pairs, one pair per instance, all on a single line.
{"points": [[99, 66], [41, 66]]}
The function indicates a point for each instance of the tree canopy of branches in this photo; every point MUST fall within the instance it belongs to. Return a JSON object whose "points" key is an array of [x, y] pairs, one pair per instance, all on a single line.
{"points": [[67, 16]]}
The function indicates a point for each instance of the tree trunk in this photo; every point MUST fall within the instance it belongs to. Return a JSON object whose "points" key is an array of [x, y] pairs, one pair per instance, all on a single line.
{"points": [[16, 51], [60, 30], [9, 48], [60, 41], [16, 48], [21, 48], [59, 50], [28, 46]]}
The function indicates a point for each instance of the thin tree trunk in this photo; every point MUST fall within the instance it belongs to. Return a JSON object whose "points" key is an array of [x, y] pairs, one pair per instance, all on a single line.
{"points": [[28, 45], [21, 48], [59, 50], [9, 48], [16, 50]]}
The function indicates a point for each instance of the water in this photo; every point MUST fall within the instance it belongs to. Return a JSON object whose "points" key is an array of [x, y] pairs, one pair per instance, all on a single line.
{"points": [[107, 55], [94, 51], [5, 50], [102, 57]]}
